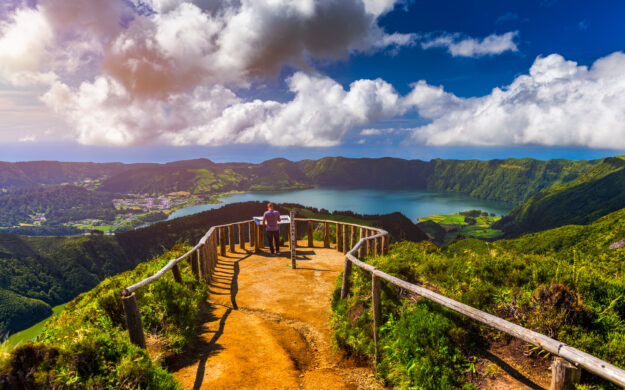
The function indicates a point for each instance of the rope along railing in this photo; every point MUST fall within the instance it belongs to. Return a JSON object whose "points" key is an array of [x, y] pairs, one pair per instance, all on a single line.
{"points": [[358, 241]]}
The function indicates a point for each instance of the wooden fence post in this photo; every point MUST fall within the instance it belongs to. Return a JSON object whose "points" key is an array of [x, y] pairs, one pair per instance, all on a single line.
{"points": [[362, 249], [257, 237], [252, 227], [353, 238], [339, 238], [345, 238], [241, 236], [205, 263], [564, 375], [310, 234], [375, 307], [194, 260], [347, 273], [210, 259], [212, 248], [176, 271], [326, 235], [222, 240], [231, 237], [201, 258], [385, 244], [133, 320], [261, 236], [376, 245], [292, 244], [368, 243]]}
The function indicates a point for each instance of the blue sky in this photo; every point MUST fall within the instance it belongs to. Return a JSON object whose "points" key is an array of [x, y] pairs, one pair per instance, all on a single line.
{"points": [[361, 78]]}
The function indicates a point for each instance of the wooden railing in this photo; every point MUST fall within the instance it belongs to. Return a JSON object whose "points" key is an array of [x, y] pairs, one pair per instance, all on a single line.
{"points": [[358, 241]]}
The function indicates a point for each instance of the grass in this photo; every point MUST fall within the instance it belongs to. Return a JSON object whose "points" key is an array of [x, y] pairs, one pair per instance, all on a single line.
{"points": [[34, 331], [458, 225], [450, 219], [578, 301], [87, 345]]}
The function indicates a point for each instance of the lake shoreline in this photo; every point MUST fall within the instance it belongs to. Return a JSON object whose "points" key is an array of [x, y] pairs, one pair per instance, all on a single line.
{"points": [[449, 202]]}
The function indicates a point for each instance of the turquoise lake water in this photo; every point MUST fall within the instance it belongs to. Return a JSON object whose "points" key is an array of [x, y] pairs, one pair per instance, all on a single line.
{"points": [[413, 203]]}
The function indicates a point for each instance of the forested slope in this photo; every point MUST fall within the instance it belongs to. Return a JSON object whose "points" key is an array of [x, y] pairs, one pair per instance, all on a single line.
{"points": [[512, 180], [58, 203], [34, 173], [583, 200], [55, 269]]}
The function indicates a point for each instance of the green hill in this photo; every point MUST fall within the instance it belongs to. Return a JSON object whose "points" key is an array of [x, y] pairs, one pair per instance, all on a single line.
{"points": [[17, 311], [53, 270], [35, 173], [511, 180], [582, 242], [87, 345], [580, 201], [58, 203], [565, 282]]}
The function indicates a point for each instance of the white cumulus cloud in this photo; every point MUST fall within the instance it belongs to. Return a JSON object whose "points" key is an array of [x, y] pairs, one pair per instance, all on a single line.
{"points": [[558, 103], [460, 45], [125, 72], [320, 114]]}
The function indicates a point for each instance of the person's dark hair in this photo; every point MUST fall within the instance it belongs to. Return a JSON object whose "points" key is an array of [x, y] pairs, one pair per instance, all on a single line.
{"points": [[270, 205]]}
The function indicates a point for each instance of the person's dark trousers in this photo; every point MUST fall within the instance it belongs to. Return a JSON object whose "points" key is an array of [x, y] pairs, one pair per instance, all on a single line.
{"points": [[273, 237]]}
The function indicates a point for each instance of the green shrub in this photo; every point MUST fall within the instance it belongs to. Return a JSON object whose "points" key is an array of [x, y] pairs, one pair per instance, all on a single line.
{"points": [[578, 301], [87, 345]]}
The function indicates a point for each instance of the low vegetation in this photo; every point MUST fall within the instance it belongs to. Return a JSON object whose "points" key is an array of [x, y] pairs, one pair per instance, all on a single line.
{"points": [[87, 345], [576, 300]]}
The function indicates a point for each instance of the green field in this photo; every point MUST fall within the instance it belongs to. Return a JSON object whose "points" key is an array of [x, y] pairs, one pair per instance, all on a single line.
{"points": [[457, 225], [34, 331], [451, 219]]}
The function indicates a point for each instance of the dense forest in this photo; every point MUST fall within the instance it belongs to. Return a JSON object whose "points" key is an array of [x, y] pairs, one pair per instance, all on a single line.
{"points": [[592, 195], [35, 173], [58, 203]]}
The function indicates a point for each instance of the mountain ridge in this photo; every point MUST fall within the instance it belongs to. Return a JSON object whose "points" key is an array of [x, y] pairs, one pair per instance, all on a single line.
{"points": [[512, 180]]}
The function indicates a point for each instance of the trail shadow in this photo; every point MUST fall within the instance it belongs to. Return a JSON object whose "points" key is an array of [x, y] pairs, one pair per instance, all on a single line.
{"points": [[198, 348], [211, 348], [222, 283], [511, 371]]}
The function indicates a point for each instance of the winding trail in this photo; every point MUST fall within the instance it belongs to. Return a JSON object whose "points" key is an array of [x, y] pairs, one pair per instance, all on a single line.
{"points": [[268, 326]]}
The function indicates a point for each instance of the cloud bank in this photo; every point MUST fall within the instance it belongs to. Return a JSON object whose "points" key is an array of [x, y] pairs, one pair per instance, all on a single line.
{"points": [[558, 103], [175, 72], [124, 72]]}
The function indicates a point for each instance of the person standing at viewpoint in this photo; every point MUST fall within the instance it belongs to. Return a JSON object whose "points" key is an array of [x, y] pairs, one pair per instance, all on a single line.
{"points": [[272, 229]]}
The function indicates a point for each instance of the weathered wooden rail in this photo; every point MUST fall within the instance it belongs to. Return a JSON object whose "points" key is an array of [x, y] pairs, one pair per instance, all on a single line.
{"points": [[358, 241]]}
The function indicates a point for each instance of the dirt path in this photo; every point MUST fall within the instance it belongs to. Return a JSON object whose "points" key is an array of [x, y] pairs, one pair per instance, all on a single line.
{"points": [[268, 326]]}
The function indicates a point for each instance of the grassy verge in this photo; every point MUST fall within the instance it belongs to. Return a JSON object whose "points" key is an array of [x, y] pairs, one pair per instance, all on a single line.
{"points": [[87, 345], [428, 347]]}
